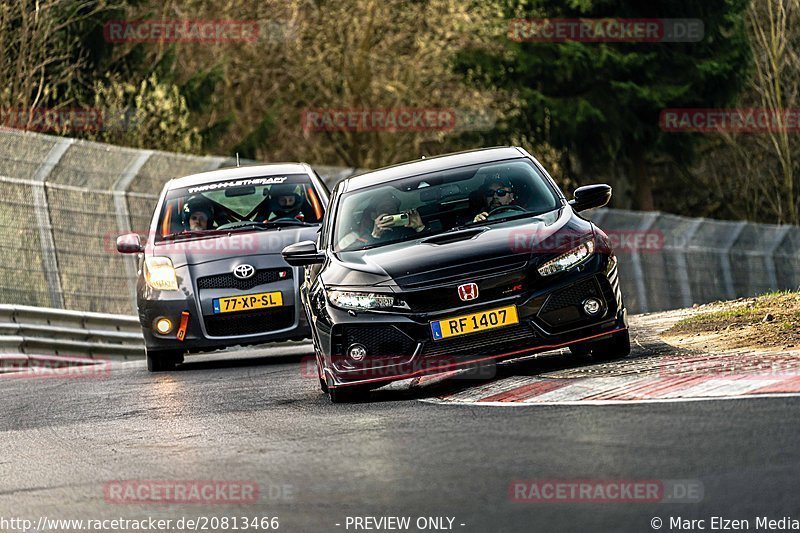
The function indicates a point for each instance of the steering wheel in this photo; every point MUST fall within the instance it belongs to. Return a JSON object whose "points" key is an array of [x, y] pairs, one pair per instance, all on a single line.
{"points": [[502, 209]]}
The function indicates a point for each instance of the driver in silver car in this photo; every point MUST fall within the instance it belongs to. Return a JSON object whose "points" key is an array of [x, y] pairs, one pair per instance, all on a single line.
{"points": [[198, 214], [497, 192], [285, 202]]}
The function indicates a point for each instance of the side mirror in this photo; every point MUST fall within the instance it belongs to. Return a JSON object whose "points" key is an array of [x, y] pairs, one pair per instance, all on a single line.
{"points": [[303, 253], [129, 244], [591, 196]]}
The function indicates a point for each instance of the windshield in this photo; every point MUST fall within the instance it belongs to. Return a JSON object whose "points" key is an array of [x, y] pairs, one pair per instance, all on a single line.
{"points": [[435, 203], [239, 205]]}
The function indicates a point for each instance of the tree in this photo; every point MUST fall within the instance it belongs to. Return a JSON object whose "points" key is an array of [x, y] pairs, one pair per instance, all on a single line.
{"points": [[775, 87], [341, 54], [603, 100]]}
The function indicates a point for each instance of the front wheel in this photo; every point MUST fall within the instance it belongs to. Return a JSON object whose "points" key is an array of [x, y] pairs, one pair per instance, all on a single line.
{"points": [[618, 345], [348, 394], [163, 360]]}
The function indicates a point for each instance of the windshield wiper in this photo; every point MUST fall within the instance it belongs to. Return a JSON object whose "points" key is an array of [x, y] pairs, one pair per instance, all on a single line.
{"points": [[266, 225], [192, 233]]}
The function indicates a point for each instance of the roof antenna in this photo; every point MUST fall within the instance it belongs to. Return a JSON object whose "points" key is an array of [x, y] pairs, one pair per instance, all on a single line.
{"points": [[237, 159]]}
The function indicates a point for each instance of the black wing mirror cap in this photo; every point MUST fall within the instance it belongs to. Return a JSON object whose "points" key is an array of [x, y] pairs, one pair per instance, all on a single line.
{"points": [[303, 253], [591, 196], [129, 243]]}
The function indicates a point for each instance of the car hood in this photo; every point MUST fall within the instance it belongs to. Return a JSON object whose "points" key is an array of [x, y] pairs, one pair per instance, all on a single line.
{"points": [[425, 261], [237, 244]]}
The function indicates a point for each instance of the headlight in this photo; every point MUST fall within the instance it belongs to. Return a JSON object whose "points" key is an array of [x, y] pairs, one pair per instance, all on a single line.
{"points": [[360, 300], [567, 260], [160, 274]]}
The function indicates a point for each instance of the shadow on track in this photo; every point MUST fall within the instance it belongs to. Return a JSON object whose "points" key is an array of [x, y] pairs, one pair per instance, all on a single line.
{"points": [[539, 364], [233, 360]]}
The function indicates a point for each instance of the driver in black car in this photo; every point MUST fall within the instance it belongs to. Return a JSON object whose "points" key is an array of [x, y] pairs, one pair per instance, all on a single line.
{"points": [[497, 192]]}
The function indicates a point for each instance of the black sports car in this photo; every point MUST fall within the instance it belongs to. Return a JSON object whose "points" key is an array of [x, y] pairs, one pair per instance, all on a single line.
{"points": [[452, 261], [211, 275]]}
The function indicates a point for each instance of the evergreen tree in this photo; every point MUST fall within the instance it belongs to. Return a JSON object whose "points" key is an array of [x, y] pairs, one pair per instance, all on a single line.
{"points": [[602, 100]]}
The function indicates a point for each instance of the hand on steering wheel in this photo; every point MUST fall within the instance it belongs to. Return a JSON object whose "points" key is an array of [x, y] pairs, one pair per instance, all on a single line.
{"points": [[503, 209]]}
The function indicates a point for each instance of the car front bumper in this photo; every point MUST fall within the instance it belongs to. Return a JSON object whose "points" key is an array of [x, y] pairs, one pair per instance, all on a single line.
{"points": [[400, 345], [206, 331]]}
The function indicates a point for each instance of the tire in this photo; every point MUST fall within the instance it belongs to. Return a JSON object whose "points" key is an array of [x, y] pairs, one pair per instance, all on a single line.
{"points": [[163, 360], [353, 393], [580, 350], [618, 345]]}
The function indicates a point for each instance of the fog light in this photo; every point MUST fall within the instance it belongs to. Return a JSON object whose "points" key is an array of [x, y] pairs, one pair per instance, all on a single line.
{"points": [[163, 325], [357, 352], [591, 306]]}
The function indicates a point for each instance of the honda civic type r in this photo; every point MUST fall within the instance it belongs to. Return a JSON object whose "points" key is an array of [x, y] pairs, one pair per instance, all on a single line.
{"points": [[211, 274], [454, 261]]}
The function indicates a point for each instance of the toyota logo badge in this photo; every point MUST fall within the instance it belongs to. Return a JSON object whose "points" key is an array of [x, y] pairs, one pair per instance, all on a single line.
{"points": [[244, 271]]}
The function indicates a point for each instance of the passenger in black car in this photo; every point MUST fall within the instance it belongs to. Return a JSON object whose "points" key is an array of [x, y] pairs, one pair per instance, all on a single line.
{"points": [[381, 221]]}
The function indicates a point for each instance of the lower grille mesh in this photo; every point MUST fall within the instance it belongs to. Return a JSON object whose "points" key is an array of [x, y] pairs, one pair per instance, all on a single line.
{"points": [[250, 322]]}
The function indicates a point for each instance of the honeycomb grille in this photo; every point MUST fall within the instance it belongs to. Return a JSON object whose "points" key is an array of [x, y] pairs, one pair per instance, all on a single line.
{"points": [[249, 323], [573, 295], [229, 281], [380, 340]]}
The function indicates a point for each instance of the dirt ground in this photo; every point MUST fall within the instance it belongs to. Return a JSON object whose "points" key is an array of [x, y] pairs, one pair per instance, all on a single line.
{"points": [[768, 321]]}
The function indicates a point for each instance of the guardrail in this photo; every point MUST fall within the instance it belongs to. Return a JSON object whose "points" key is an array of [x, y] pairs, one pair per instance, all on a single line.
{"points": [[29, 333]]}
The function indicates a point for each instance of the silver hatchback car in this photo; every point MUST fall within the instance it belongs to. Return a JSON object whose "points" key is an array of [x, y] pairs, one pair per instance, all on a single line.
{"points": [[211, 274]]}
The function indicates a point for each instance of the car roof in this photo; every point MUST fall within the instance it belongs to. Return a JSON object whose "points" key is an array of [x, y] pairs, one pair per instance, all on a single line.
{"points": [[431, 164], [247, 171]]}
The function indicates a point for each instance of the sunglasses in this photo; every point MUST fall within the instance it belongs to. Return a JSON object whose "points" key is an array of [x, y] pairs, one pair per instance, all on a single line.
{"points": [[500, 193]]}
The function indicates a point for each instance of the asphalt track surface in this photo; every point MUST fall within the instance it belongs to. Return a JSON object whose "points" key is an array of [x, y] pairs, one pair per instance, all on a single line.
{"points": [[254, 415]]}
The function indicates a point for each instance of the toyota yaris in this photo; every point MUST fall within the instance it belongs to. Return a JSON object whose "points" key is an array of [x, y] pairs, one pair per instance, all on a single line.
{"points": [[211, 274], [453, 261]]}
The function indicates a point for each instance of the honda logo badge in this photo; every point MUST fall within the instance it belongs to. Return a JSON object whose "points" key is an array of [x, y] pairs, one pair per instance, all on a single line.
{"points": [[468, 291], [244, 271]]}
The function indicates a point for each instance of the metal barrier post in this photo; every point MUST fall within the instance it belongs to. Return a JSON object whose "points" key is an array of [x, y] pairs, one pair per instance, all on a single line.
{"points": [[123, 215], [42, 211]]}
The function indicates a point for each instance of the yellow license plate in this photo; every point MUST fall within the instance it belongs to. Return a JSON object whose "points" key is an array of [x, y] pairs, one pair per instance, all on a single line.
{"points": [[461, 325], [248, 302]]}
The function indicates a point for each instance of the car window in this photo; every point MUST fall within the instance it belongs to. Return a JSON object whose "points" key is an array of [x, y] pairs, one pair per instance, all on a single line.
{"points": [[438, 202], [239, 204]]}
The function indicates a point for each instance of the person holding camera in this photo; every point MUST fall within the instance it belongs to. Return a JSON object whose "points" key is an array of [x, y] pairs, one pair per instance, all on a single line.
{"points": [[381, 221]]}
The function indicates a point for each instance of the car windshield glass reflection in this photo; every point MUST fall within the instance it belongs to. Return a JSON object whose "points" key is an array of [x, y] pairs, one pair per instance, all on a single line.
{"points": [[246, 204], [435, 203]]}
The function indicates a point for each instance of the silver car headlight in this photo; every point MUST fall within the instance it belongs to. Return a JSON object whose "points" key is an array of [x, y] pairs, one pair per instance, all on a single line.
{"points": [[568, 260], [360, 300], [160, 274]]}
